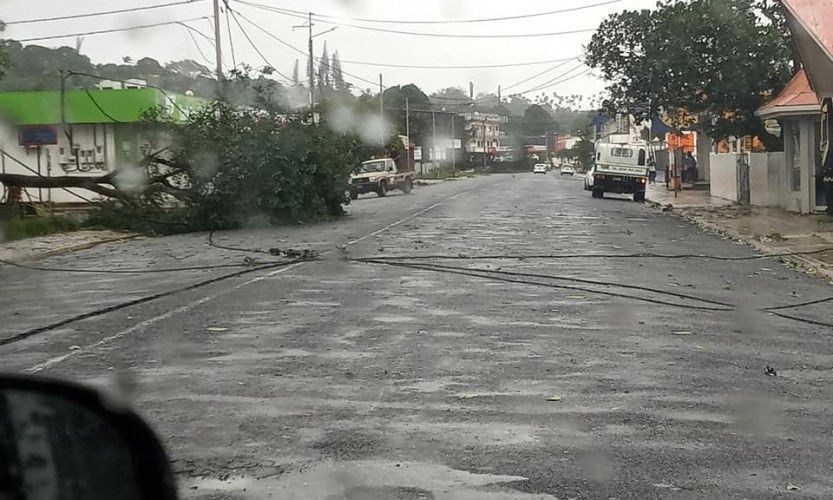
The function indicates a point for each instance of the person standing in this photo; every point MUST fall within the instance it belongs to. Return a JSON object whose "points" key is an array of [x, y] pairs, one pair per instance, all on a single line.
{"points": [[690, 167], [652, 171]]}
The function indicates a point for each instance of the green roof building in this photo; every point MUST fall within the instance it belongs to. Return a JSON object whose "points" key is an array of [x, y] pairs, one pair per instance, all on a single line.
{"points": [[100, 130]]}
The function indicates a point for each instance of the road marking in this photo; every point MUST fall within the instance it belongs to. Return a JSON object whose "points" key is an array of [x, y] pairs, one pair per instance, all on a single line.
{"points": [[49, 363]]}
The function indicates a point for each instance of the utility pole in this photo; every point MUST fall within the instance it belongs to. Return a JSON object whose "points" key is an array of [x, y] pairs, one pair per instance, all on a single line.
{"points": [[218, 48], [311, 70], [433, 140], [453, 148], [381, 110], [484, 142], [408, 133]]}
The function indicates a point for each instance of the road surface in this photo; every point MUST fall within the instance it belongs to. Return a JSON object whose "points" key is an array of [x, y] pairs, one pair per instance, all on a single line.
{"points": [[445, 377]]}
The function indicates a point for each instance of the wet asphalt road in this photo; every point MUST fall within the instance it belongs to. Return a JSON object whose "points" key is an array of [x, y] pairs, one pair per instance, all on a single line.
{"points": [[343, 379]]}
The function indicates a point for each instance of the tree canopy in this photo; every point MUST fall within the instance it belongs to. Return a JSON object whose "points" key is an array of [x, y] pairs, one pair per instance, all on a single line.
{"points": [[708, 64]]}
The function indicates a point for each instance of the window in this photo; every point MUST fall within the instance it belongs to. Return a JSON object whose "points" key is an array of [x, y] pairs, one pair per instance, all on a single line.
{"points": [[621, 153], [794, 155], [641, 157]]}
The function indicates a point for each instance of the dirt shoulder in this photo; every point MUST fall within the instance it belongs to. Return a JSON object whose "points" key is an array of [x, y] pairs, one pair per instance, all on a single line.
{"points": [[39, 247]]}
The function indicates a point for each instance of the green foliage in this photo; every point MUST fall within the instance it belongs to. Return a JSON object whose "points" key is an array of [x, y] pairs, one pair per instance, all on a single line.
{"points": [[537, 120], [715, 60], [229, 167], [17, 228], [4, 55]]}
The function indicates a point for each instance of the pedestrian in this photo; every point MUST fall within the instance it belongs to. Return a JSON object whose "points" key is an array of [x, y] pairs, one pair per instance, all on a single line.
{"points": [[690, 167], [652, 171]]}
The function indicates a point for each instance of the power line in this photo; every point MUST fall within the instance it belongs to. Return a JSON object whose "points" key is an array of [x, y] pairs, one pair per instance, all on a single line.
{"points": [[160, 89], [296, 49], [447, 21], [559, 82], [473, 66], [252, 43], [195, 30], [197, 45], [422, 33], [536, 75], [95, 14], [114, 30], [552, 81], [230, 39], [98, 106]]}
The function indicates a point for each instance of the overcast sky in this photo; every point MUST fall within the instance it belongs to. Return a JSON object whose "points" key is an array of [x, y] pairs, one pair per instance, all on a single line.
{"points": [[172, 42]]}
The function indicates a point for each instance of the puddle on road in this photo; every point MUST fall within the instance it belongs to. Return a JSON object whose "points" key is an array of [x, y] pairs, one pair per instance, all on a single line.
{"points": [[365, 479]]}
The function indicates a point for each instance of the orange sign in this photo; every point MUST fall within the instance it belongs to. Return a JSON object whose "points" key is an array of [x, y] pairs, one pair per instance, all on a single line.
{"points": [[686, 142]]}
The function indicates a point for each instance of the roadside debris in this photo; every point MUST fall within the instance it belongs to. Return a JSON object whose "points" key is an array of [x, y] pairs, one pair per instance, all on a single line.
{"points": [[554, 399], [770, 372], [216, 329], [74, 347], [682, 332], [792, 487]]}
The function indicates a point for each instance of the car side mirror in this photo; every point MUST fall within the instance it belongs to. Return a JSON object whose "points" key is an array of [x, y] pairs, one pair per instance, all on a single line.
{"points": [[390, 169], [61, 440]]}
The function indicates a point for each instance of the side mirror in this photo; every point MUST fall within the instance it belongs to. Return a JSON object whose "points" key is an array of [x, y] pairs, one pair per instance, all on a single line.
{"points": [[60, 440], [390, 169]]}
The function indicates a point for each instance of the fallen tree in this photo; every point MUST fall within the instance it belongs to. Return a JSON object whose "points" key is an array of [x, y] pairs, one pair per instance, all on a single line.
{"points": [[102, 185]]}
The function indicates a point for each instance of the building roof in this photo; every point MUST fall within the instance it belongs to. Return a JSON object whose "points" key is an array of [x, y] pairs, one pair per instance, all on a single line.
{"points": [[817, 16], [811, 23], [92, 106], [797, 98]]}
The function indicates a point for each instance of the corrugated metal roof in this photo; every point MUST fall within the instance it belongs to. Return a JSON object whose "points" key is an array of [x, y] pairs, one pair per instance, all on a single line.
{"points": [[797, 94], [817, 16]]}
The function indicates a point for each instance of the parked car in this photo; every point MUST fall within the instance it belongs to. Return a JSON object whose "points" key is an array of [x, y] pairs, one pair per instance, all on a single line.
{"points": [[588, 178], [539, 168], [567, 170]]}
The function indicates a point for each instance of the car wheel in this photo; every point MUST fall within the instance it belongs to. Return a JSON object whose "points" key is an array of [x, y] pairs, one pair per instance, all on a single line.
{"points": [[639, 197], [383, 189], [408, 186], [354, 195], [598, 193]]}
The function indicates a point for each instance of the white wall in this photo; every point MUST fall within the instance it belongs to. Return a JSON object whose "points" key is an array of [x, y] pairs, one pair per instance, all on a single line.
{"points": [[724, 177], [765, 171], [94, 138]]}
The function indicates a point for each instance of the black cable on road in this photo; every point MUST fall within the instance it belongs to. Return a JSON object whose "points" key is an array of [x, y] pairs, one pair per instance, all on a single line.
{"points": [[800, 304], [98, 312], [136, 271], [640, 255], [802, 320], [518, 278]]}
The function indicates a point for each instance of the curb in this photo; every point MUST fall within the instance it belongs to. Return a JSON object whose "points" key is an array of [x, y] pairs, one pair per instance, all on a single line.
{"points": [[804, 263]]}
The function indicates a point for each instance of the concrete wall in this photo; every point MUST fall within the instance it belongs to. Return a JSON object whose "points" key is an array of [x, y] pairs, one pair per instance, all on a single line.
{"points": [[765, 178], [724, 177]]}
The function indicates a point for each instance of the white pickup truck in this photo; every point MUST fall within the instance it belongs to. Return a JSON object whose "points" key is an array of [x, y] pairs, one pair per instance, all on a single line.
{"points": [[620, 168], [380, 176]]}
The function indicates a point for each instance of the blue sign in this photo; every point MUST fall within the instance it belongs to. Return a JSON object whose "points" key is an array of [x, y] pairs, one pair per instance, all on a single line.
{"points": [[37, 136]]}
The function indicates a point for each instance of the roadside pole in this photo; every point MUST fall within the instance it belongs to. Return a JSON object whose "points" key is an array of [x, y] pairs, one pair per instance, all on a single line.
{"points": [[453, 149], [381, 111], [433, 140], [408, 134], [311, 70], [218, 49]]}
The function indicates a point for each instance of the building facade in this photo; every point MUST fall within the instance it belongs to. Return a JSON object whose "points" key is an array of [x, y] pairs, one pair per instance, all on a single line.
{"points": [[91, 133]]}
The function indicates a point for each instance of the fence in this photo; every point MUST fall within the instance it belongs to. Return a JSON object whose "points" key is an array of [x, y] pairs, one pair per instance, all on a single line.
{"points": [[765, 179]]}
